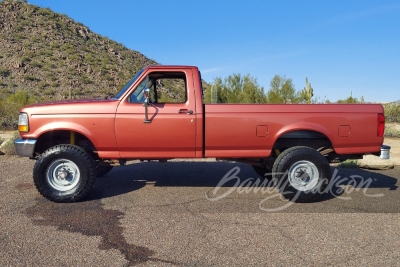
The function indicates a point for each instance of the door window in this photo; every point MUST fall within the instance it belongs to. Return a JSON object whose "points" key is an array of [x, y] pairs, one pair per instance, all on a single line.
{"points": [[165, 87]]}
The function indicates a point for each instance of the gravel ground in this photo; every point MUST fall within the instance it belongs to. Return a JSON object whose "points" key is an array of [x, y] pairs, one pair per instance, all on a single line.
{"points": [[157, 214]]}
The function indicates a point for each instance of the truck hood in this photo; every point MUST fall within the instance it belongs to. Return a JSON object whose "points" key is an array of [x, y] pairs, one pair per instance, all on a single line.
{"points": [[76, 106]]}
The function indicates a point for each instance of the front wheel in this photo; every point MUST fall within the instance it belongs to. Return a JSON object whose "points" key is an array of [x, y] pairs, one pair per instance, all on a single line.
{"points": [[302, 174], [64, 173]]}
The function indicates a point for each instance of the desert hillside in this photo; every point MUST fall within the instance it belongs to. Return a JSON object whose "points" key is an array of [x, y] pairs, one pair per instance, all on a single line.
{"points": [[47, 54]]}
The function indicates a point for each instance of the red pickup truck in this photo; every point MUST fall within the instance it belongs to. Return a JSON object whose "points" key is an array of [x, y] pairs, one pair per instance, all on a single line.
{"points": [[75, 141]]}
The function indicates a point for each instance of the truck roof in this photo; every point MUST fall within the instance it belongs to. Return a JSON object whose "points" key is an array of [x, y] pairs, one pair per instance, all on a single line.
{"points": [[169, 66]]}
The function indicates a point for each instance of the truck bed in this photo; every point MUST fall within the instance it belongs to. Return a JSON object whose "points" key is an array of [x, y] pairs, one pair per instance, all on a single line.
{"points": [[250, 130]]}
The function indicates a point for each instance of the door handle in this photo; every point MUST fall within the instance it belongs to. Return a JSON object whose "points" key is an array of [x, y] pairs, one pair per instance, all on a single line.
{"points": [[185, 111]]}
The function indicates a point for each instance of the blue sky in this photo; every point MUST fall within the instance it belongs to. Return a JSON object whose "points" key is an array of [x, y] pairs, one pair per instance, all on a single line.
{"points": [[341, 46]]}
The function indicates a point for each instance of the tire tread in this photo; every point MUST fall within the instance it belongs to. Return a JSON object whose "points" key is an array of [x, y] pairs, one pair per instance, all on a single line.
{"points": [[76, 151]]}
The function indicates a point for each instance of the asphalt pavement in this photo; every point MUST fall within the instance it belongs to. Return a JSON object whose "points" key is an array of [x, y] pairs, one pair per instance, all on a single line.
{"points": [[183, 213]]}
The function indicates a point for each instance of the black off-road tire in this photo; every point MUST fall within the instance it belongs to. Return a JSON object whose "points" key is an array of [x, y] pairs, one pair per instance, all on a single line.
{"points": [[298, 159], [59, 156], [102, 170]]}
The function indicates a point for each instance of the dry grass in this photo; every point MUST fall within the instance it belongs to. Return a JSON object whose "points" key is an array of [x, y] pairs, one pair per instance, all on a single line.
{"points": [[349, 164]]}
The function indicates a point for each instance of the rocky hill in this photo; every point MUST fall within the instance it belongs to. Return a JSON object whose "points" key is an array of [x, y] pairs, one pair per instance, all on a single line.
{"points": [[49, 54]]}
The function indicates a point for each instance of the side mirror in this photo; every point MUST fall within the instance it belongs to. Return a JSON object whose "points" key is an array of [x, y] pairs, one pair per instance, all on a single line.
{"points": [[147, 93]]}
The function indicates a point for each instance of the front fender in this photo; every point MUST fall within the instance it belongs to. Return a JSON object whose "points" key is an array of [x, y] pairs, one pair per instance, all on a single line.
{"points": [[98, 128]]}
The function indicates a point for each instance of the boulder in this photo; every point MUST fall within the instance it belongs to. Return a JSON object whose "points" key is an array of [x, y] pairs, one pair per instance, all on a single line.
{"points": [[375, 163]]}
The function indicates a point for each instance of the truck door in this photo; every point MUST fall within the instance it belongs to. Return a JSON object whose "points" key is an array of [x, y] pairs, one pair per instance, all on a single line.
{"points": [[171, 132]]}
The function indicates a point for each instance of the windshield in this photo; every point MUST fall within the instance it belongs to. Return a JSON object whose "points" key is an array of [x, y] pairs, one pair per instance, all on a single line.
{"points": [[129, 84]]}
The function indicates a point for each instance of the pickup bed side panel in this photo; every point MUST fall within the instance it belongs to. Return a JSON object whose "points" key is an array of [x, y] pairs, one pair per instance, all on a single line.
{"points": [[231, 129]]}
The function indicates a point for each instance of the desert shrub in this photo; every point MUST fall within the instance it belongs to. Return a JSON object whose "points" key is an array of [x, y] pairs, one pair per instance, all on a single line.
{"points": [[51, 65], [4, 72], [75, 57], [49, 92], [77, 91], [48, 53], [392, 112], [27, 44], [391, 131], [84, 79], [35, 39], [36, 64], [44, 12], [18, 37], [30, 77], [51, 76], [107, 77], [11, 106], [25, 59], [72, 70], [19, 27], [65, 93], [42, 84], [89, 58]]}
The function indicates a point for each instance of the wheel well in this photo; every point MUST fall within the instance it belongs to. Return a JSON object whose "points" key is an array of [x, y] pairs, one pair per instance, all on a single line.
{"points": [[312, 139], [57, 137]]}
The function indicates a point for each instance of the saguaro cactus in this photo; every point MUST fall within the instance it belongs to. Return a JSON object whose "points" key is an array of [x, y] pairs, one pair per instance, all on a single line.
{"points": [[309, 91]]}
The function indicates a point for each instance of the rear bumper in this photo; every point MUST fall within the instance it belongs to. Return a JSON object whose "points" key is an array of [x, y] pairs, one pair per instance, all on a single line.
{"points": [[25, 147]]}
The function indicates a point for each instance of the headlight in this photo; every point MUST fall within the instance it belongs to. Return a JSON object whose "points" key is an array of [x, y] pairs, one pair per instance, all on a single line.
{"points": [[23, 124]]}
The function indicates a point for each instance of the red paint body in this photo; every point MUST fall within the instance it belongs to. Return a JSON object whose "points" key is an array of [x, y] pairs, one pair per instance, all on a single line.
{"points": [[116, 127]]}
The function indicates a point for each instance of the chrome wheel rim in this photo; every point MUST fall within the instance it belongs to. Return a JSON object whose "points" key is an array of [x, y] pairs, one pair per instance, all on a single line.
{"points": [[303, 175], [63, 175]]}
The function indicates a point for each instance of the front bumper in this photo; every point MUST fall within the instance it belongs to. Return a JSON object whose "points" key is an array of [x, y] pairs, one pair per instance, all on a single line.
{"points": [[25, 147]]}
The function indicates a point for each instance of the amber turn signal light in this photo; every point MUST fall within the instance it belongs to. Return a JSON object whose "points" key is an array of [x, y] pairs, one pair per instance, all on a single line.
{"points": [[23, 123], [22, 128]]}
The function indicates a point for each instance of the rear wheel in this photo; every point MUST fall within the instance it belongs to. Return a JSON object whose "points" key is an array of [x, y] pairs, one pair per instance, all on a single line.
{"points": [[302, 174], [64, 173]]}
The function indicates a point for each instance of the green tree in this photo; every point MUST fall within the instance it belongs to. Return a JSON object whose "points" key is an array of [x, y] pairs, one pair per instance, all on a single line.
{"points": [[282, 91], [237, 89]]}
